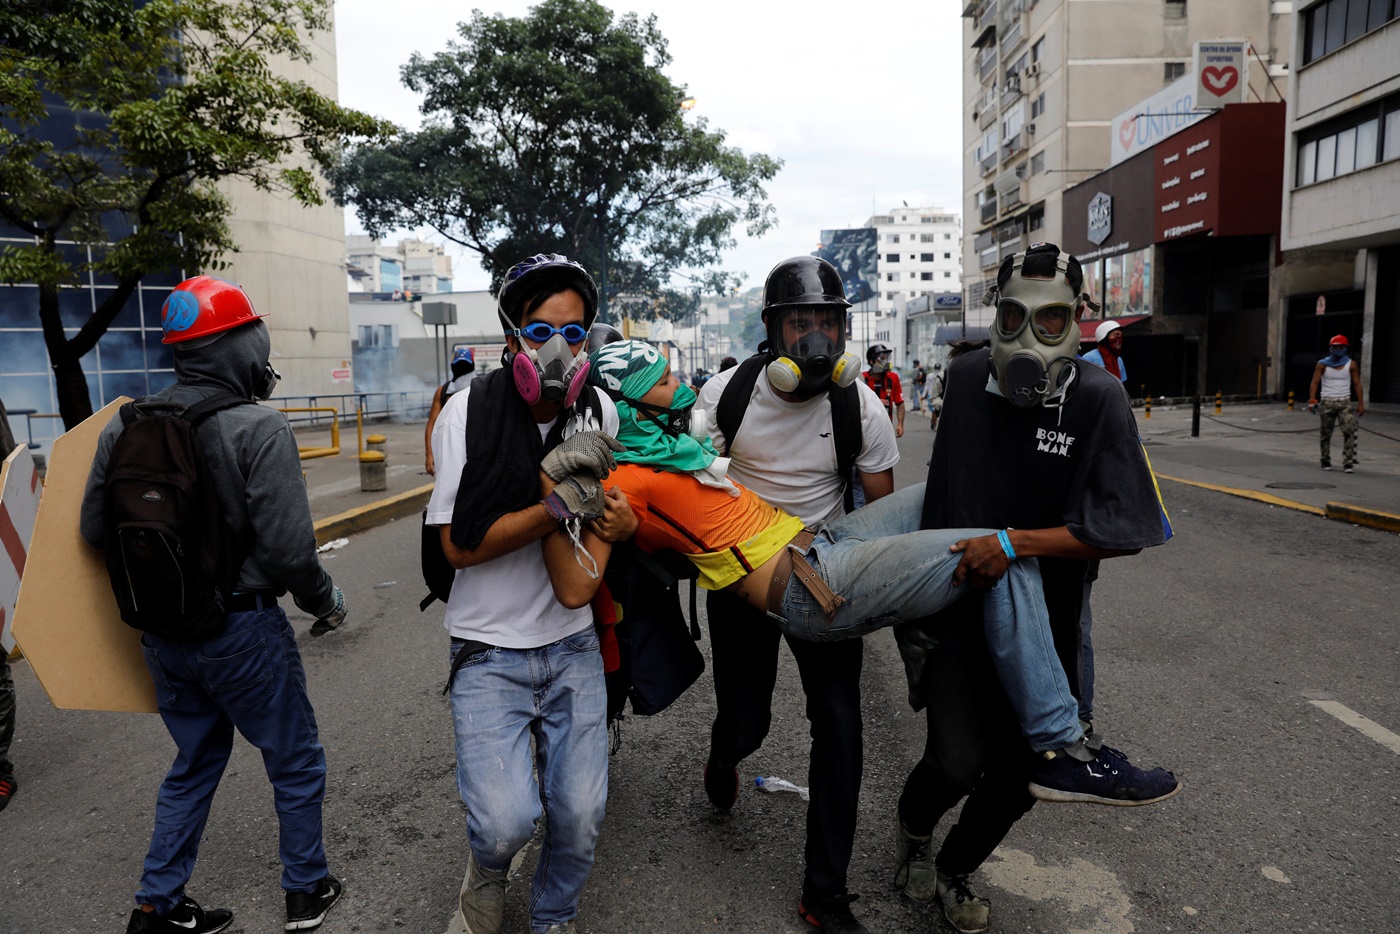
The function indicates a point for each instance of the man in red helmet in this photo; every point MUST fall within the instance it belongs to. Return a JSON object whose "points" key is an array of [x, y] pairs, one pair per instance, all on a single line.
{"points": [[1335, 378], [249, 675]]}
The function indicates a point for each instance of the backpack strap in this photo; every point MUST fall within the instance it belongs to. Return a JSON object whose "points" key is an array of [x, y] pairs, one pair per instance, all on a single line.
{"points": [[207, 406], [848, 436], [734, 401]]}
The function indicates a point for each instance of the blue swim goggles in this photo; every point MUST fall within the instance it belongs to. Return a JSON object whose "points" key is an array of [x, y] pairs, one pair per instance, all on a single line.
{"points": [[539, 332]]}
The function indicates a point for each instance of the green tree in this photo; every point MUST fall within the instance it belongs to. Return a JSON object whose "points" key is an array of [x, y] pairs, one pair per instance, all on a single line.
{"points": [[559, 132], [167, 98]]}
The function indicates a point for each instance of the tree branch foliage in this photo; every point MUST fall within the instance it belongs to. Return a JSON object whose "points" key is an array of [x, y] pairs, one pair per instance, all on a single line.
{"points": [[560, 132], [118, 120]]}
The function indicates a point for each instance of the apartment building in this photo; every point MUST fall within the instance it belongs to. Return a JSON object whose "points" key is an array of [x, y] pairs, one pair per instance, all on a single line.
{"points": [[919, 254], [1043, 81], [1341, 191], [411, 265]]}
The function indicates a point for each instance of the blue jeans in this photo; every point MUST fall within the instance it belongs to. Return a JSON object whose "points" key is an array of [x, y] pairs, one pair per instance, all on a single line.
{"points": [[888, 569], [249, 678], [555, 694]]}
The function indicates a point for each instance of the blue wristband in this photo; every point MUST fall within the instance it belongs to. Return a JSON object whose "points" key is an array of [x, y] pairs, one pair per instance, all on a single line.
{"points": [[1006, 545]]}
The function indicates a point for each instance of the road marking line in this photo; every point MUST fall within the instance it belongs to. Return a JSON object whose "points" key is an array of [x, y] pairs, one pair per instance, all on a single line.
{"points": [[1368, 727]]}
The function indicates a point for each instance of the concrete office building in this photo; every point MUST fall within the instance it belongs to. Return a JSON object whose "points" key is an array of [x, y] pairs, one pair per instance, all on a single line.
{"points": [[291, 261], [919, 255], [1341, 192], [1042, 83], [411, 265]]}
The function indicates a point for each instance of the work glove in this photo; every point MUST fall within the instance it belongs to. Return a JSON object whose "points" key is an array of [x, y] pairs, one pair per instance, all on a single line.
{"points": [[334, 618], [584, 451], [578, 496]]}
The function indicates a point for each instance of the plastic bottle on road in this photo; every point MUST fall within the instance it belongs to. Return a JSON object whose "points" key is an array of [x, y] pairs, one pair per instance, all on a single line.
{"points": [[778, 784]]}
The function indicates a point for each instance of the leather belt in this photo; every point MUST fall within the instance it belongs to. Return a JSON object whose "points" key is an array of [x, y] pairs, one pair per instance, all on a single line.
{"points": [[251, 602], [791, 561]]}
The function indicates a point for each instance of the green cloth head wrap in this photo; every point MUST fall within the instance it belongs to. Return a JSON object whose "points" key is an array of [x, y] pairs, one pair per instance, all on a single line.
{"points": [[626, 371]]}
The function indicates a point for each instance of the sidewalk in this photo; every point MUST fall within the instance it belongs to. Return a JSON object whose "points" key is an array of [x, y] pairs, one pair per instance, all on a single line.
{"points": [[1259, 451]]}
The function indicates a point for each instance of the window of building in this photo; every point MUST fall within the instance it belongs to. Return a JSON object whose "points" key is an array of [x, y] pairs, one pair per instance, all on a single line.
{"points": [[894, 238], [1038, 163], [926, 257], [913, 275], [891, 257], [1036, 219], [1329, 26], [1175, 9], [1038, 49], [891, 277], [1173, 70], [1349, 143], [947, 255], [947, 236], [925, 220], [925, 238], [926, 276], [889, 297], [1038, 106]]}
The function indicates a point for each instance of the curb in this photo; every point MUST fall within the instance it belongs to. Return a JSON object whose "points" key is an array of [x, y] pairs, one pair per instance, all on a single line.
{"points": [[1342, 512], [374, 514]]}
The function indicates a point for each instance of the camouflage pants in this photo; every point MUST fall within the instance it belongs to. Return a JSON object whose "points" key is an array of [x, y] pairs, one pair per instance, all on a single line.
{"points": [[1338, 413], [7, 715]]}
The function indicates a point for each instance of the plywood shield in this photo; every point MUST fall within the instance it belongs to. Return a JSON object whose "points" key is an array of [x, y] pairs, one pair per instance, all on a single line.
{"points": [[66, 621]]}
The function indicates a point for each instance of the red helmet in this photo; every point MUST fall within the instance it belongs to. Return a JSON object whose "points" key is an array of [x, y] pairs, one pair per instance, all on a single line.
{"points": [[1339, 339], [203, 306]]}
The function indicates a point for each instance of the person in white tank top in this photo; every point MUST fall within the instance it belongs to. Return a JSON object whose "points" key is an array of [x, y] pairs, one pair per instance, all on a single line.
{"points": [[1335, 378]]}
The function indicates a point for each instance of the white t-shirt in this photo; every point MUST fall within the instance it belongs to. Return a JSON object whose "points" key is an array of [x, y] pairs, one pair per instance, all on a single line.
{"points": [[508, 601], [785, 451]]}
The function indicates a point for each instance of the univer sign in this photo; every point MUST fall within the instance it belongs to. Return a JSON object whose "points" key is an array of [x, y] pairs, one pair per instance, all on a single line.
{"points": [[1100, 218]]}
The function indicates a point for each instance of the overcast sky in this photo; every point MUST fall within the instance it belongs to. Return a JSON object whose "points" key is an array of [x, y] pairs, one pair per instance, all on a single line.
{"points": [[861, 103]]}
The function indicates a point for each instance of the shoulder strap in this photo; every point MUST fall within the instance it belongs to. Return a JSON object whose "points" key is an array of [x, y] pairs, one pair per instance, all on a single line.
{"points": [[211, 404], [734, 401], [847, 434]]}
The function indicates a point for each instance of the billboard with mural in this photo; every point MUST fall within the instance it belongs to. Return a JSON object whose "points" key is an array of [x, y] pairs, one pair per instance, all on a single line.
{"points": [[855, 254]]}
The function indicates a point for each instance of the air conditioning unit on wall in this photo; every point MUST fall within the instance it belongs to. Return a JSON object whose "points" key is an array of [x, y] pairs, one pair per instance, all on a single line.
{"points": [[1032, 70]]}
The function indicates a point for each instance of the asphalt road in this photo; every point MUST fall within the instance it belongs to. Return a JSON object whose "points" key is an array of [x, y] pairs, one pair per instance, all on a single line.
{"points": [[1212, 652]]}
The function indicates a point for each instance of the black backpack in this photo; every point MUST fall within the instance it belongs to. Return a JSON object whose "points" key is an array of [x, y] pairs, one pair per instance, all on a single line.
{"points": [[845, 418], [171, 555]]}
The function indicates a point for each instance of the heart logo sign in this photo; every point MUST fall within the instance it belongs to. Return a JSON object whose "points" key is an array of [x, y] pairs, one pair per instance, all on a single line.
{"points": [[1126, 131], [1219, 81]]}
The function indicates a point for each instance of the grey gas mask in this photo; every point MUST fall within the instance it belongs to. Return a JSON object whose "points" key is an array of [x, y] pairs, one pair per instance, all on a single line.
{"points": [[1035, 338]]}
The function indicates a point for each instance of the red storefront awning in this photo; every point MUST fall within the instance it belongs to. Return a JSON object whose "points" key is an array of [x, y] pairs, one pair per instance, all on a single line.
{"points": [[1087, 328]]}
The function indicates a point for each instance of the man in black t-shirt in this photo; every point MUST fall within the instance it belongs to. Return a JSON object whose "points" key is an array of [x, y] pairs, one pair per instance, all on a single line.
{"points": [[1033, 443]]}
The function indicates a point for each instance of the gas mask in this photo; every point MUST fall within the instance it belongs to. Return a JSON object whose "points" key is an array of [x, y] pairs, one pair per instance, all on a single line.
{"points": [[679, 419], [554, 373], [265, 382], [1035, 338], [812, 363]]}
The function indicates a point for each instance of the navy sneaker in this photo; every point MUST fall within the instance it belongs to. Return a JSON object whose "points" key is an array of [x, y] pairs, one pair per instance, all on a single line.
{"points": [[721, 784], [306, 910], [831, 914], [1098, 776], [187, 918]]}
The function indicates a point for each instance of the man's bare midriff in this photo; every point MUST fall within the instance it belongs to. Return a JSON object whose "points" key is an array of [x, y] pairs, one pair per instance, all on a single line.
{"points": [[752, 588]]}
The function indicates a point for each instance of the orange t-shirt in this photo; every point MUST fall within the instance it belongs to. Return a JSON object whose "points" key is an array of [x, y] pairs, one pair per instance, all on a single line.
{"points": [[725, 536]]}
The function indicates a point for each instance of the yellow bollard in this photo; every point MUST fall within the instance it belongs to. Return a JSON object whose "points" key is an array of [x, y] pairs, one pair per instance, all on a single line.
{"points": [[1148, 408], [1290, 400], [1219, 398], [377, 443], [374, 473]]}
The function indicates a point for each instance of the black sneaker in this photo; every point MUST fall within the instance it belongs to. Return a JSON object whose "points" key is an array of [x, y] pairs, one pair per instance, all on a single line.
{"points": [[831, 914], [1102, 776], [188, 918], [8, 787], [721, 784], [306, 910]]}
